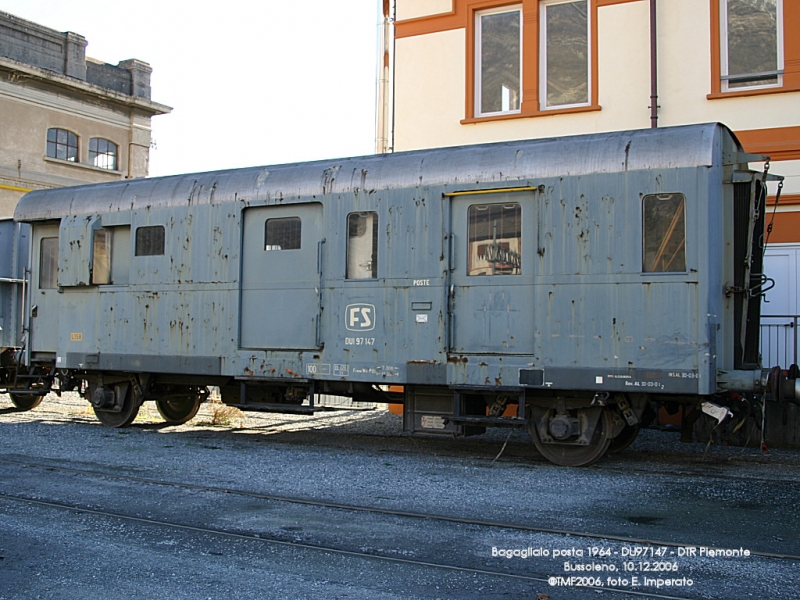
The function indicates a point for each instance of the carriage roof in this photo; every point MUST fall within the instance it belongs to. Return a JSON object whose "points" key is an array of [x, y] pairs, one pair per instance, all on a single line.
{"points": [[456, 167]]}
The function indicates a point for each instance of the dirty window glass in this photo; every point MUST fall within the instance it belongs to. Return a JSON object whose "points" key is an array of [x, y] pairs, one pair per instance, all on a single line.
{"points": [[498, 51], [664, 227], [101, 257], [751, 44], [282, 234], [150, 241], [565, 53], [362, 245], [495, 239], [48, 263]]}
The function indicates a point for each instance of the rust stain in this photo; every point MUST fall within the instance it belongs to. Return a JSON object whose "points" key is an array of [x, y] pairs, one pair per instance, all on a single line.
{"points": [[457, 359], [292, 373]]}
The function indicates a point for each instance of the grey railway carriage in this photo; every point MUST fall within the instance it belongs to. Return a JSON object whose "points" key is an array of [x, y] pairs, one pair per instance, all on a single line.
{"points": [[579, 280]]}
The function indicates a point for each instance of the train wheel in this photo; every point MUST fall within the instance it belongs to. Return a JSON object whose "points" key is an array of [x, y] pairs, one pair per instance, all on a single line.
{"points": [[25, 401], [570, 454], [177, 411], [123, 418], [625, 438]]}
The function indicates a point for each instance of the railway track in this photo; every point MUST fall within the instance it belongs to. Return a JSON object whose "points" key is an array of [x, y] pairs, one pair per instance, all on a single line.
{"points": [[541, 581], [381, 511], [453, 537]]}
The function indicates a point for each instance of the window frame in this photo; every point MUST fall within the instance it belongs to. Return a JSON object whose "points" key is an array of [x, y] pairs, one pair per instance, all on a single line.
{"points": [[76, 159], [147, 251], [478, 62], [542, 56], [680, 215], [102, 251], [277, 248], [375, 234], [789, 50], [48, 263], [475, 242], [530, 105], [725, 76], [94, 154]]}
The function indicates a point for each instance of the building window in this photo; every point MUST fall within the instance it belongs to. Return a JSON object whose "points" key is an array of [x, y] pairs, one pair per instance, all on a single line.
{"points": [[362, 246], [751, 43], [103, 154], [564, 54], [282, 234], [62, 144], [150, 241], [533, 59], [664, 233], [494, 239], [498, 61], [48, 263]]}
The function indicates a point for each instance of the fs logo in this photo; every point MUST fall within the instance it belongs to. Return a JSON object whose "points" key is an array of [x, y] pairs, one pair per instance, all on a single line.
{"points": [[360, 317]]}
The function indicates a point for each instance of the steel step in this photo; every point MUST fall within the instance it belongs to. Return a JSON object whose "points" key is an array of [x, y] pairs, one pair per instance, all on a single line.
{"points": [[493, 421], [290, 409]]}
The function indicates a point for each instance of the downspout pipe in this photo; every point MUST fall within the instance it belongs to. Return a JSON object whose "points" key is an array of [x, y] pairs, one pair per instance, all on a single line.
{"points": [[653, 68], [384, 111]]}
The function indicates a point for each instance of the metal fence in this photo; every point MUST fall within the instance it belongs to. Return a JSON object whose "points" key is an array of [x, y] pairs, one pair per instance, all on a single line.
{"points": [[779, 340]]}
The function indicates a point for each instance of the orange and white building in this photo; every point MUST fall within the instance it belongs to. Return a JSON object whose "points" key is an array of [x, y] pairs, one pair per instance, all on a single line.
{"points": [[473, 71]]}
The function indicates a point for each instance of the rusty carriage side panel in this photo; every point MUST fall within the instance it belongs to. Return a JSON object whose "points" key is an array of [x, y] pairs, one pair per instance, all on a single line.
{"points": [[543, 273], [408, 309], [172, 303]]}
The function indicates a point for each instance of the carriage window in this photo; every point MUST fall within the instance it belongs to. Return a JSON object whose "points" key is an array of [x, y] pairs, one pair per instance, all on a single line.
{"points": [[150, 241], [495, 239], [282, 234], [48, 263], [664, 227], [101, 257], [362, 246]]}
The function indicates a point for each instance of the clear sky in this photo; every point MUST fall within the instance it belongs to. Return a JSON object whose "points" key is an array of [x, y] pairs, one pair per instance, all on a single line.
{"points": [[250, 82]]}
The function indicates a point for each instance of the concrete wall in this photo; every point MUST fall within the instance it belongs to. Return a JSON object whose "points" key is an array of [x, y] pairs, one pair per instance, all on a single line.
{"points": [[47, 82], [65, 54]]}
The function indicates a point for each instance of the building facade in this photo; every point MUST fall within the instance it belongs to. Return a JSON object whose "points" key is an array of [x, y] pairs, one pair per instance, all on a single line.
{"points": [[473, 71], [66, 119]]}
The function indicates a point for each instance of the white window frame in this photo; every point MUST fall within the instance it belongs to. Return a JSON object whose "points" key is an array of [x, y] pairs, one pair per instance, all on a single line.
{"points": [[478, 46], [543, 55], [723, 51]]}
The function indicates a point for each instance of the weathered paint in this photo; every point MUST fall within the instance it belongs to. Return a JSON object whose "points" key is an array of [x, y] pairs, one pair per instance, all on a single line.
{"points": [[581, 313]]}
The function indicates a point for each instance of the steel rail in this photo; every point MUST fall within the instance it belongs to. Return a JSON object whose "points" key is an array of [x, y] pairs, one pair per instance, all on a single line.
{"points": [[388, 511], [314, 547]]}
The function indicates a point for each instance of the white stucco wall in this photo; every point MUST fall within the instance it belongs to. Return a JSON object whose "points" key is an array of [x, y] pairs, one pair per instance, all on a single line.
{"points": [[413, 9], [430, 83]]}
